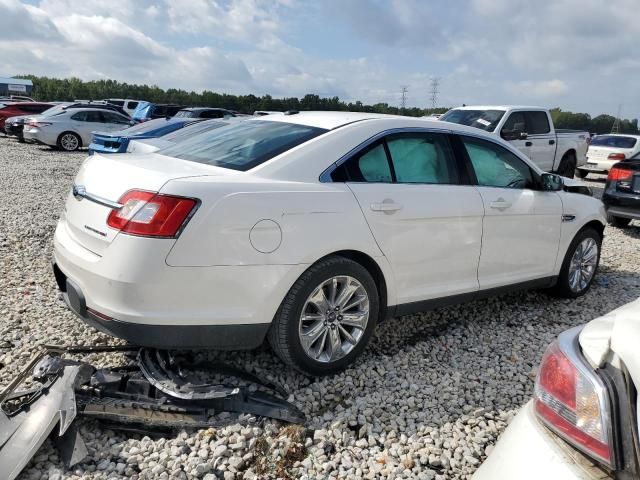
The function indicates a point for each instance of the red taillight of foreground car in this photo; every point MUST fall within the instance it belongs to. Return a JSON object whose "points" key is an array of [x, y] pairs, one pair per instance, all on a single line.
{"points": [[617, 156], [151, 214], [571, 400], [619, 174]]}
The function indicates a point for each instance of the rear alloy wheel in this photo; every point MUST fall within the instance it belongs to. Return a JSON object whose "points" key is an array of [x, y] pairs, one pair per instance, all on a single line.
{"points": [[581, 173], [580, 264], [618, 222], [327, 318], [69, 142], [567, 166]]}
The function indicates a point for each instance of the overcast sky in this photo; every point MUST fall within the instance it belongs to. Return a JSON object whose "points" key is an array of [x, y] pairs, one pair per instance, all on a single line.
{"points": [[581, 55]]}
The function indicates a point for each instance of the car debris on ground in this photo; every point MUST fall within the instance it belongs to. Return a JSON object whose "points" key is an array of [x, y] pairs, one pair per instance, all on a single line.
{"points": [[156, 394]]}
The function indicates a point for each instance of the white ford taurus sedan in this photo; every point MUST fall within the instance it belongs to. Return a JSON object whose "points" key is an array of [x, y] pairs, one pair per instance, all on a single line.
{"points": [[309, 228]]}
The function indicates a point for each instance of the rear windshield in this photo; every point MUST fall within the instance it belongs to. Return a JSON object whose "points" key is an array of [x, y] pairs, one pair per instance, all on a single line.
{"points": [[486, 120], [613, 141], [185, 114], [244, 145], [145, 126], [193, 130]]}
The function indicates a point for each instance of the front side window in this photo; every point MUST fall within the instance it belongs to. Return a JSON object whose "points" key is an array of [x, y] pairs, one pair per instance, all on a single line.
{"points": [[495, 166], [537, 123], [422, 158], [515, 124], [242, 146]]}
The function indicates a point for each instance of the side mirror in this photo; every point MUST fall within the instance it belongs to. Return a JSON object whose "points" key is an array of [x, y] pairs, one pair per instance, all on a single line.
{"points": [[513, 135], [552, 182]]}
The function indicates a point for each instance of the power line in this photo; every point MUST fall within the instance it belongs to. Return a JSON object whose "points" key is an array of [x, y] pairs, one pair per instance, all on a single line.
{"points": [[435, 83], [616, 124], [403, 98]]}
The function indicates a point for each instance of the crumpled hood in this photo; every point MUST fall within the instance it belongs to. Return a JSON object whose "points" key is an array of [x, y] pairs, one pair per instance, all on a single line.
{"points": [[618, 332]]}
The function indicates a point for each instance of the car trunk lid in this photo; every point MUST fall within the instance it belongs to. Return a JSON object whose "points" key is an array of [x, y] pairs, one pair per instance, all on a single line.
{"points": [[103, 179]]}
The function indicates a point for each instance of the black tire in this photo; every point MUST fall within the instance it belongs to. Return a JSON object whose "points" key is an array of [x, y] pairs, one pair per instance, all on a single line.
{"points": [[67, 143], [283, 335], [581, 173], [562, 287], [568, 165], [618, 222]]}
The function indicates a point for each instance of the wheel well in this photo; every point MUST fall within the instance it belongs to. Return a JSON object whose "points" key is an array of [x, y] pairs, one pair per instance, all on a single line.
{"points": [[374, 269], [69, 131], [596, 225]]}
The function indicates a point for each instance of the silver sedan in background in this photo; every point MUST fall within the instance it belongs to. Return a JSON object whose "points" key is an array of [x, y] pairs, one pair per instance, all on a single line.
{"points": [[71, 129]]}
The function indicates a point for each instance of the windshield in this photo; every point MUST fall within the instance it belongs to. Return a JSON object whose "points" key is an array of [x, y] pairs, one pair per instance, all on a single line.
{"points": [[486, 120], [244, 145], [613, 141]]}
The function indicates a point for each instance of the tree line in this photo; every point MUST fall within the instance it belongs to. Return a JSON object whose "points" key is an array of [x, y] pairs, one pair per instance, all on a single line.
{"points": [[69, 89]]}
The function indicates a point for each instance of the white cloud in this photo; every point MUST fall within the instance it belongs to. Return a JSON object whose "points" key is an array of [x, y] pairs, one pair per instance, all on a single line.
{"points": [[544, 89]]}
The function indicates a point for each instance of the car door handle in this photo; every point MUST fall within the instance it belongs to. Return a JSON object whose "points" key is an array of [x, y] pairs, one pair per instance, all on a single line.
{"points": [[386, 206], [528, 144], [500, 204], [551, 142]]}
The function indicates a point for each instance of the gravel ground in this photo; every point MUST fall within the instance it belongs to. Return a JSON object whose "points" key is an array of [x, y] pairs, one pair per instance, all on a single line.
{"points": [[427, 400]]}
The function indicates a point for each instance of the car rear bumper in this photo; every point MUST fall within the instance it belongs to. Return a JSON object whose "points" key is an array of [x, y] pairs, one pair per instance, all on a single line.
{"points": [[626, 205], [528, 451], [130, 292], [222, 337]]}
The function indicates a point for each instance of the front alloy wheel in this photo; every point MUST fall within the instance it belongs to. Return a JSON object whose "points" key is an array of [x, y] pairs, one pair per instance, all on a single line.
{"points": [[334, 319], [580, 264], [583, 265]]}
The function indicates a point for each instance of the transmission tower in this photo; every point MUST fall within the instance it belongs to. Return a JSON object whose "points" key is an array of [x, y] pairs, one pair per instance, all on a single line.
{"points": [[616, 124], [435, 83], [403, 98]]}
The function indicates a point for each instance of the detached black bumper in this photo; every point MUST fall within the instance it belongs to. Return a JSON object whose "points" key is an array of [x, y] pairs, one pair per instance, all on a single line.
{"points": [[214, 337]]}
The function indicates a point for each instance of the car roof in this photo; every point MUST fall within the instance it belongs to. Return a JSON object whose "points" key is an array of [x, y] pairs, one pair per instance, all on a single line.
{"points": [[500, 107], [199, 109], [326, 120]]}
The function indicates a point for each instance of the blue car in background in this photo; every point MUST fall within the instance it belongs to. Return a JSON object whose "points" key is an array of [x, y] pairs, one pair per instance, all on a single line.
{"points": [[118, 142], [146, 111]]}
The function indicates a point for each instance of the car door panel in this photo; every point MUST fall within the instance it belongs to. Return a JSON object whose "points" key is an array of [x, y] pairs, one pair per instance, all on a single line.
{"points": [[427, 225], [431, 237], [521, 226], [521, 233]]}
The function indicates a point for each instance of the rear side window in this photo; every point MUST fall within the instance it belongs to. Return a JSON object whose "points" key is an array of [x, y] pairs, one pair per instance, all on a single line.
{"points": [[132, 105], [244, 145], [496, 166], [212, 114], [371, 165], [422, 158], [613, 141], [537, 123], [79, 117]]}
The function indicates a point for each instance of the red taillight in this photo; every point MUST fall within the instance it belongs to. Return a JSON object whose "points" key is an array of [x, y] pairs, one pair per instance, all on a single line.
{"points": [[151, 214], [617, 156], [619, 174], [39, 124], [571, 400]]}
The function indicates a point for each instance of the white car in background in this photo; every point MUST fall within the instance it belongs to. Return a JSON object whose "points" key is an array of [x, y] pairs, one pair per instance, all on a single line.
{"points": [[70, 129], [607, 150], [582, 423], [309, 228], [530, 130]]}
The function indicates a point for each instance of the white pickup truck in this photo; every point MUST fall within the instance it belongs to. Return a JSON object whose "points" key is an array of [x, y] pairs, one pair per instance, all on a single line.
{"points": [[530, 130]]}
